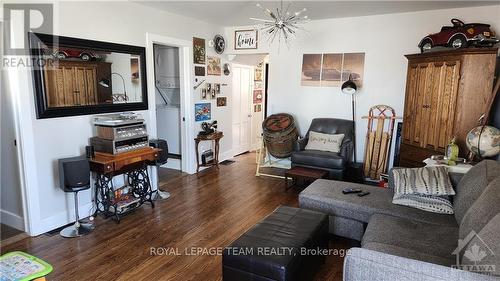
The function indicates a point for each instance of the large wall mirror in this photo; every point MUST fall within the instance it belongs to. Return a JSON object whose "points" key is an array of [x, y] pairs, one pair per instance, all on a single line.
{"points": [[77, 77]]}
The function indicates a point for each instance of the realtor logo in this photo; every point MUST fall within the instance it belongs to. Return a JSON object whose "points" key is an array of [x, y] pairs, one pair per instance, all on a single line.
{"points": [[474, 252], [19, 19]]}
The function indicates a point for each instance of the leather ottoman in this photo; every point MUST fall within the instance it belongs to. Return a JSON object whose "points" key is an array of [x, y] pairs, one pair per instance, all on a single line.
{"points": [[283, 246]]}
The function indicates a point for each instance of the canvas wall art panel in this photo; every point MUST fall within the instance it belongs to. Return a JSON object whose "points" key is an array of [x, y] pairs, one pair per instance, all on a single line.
{"points": [[311, 70], [354, 65], [331, 70]]}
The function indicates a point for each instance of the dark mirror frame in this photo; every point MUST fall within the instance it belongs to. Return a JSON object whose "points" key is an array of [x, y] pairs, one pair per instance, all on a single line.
{"points": [[42, 109]]}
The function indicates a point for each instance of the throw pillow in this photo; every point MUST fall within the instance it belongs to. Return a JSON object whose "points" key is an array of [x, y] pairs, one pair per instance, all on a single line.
{"points": [[423, 188], [426, 180], [324, 142]]}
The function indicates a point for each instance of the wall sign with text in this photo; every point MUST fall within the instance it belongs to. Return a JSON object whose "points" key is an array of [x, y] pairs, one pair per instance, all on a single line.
{"points": [[245, 39]]}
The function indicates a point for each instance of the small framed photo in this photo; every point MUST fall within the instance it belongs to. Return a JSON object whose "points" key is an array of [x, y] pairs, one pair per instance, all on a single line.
{"points": [[199, 71], [245, 39], [208, 88], [217, 88], [204, 93], [221, 101]]}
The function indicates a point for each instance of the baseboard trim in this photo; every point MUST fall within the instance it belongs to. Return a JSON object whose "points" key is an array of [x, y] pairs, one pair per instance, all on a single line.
{"points": [[12, 220], [62, 218], [172, 164]]}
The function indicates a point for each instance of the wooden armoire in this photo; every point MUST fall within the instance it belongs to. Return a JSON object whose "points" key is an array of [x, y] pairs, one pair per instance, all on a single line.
{"points": [[446, 94], [75, 83]]}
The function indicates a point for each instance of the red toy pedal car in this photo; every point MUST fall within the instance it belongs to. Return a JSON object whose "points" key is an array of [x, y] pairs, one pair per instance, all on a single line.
{"points": [[460, 35], [75, 53]]}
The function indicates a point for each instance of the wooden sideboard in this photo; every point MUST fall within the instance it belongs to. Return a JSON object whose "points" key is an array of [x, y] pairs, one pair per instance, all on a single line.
{"points": [[446, 94]]}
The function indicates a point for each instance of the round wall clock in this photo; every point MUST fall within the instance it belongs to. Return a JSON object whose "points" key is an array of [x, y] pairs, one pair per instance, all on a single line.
{"points": [[220, 44]]}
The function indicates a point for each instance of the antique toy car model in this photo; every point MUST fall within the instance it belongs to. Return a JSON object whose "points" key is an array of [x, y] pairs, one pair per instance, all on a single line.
{"points": [[460, 35], [74, 53]]}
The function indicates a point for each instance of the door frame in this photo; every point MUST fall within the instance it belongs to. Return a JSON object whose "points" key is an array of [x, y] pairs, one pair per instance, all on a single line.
{"points": [[186, 111], [250, 93]]}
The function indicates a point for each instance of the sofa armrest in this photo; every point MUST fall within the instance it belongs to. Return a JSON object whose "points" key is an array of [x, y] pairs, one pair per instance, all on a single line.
{"points": [[346, 150], [300, 144], [364, 264]]}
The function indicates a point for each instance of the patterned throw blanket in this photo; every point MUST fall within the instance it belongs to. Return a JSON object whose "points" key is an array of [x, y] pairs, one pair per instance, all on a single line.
{"points": [[425, 188]]}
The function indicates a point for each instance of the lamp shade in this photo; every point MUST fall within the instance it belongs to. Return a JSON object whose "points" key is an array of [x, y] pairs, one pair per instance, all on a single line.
{"points": [[104, 82], [349, 87]]}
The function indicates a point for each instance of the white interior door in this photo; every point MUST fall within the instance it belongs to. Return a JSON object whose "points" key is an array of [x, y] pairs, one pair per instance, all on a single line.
{"points": [[242, 89]]}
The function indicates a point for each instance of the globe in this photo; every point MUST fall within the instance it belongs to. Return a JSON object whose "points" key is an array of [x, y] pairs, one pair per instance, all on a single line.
{"points": [[485, 143]]}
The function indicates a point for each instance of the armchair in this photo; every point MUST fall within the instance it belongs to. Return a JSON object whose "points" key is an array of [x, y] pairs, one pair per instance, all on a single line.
{"points": [[334, 163]]}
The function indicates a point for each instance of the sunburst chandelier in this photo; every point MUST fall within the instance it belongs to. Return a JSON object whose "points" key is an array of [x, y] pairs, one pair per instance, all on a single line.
{"points": [[283, 24]]}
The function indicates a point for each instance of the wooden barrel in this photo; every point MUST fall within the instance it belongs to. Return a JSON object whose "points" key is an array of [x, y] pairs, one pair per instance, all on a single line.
{"points": [[279, 134]]}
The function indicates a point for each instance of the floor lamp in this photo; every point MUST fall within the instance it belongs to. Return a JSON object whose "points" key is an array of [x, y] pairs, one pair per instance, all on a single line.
{"points": [[350, 88]]}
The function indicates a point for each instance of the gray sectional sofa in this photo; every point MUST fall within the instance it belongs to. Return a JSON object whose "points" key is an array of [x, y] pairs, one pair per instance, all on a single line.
{"points": [[403, 243]]}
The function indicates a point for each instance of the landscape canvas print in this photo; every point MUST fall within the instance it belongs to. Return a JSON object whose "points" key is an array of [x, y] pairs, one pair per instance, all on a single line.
{"points": [[311, 70], [331, 70]]}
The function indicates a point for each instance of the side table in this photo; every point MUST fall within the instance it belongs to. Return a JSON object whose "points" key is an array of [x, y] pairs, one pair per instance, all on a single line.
{"points": [[214, 137]]}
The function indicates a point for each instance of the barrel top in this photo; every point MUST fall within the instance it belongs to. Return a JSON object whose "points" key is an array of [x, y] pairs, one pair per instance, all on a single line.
{"points": [[278, 122]]}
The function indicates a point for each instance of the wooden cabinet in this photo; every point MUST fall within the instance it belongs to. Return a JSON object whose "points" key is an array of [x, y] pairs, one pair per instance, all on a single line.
{"points": [[446, 93], [75, 83]]}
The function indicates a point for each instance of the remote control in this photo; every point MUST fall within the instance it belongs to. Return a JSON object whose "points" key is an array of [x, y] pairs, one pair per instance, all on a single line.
{"points": [[363, 194], [351, 190]]}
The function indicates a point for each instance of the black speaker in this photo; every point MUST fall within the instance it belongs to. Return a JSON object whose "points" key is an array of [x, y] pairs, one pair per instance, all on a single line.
{"points": [[163, 157], [74, 173]]}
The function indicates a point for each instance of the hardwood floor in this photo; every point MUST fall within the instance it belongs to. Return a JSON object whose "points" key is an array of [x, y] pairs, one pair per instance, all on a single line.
{"points": [[207, 210]]}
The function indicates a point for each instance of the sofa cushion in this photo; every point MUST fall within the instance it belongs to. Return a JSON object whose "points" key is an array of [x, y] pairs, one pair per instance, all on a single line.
{"points": [[412, 239], [490, 236], [472, 185], [326, 196], [317, 158], [483, 210], [408, 253]]}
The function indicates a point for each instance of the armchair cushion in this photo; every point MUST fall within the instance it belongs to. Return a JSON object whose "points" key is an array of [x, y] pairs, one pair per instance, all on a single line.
{"points": [[318, 158]]}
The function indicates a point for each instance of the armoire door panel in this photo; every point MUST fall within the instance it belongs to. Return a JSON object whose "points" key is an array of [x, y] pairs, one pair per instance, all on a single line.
{"points": [[448, 103], [432, 106], [409, 112], [422, 84]]}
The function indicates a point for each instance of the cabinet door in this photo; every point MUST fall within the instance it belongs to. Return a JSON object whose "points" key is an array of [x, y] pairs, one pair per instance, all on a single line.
{"points": [[439, 104], [418, 84], [59, 85], [85, 85]]}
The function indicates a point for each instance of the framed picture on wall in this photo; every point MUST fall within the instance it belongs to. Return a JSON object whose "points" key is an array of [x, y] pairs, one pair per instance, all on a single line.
{"points": [[245, 39], [213, 66], [202, 112], [199, 50], [257, 96], [221, 101]]}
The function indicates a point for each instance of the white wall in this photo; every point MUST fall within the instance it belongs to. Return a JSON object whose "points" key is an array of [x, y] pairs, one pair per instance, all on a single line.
{"points": [[44, 141], [383, 38], [11, 209]]}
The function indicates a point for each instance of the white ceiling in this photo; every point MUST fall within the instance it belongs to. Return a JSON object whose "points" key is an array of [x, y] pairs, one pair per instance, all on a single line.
{"points": [[235, 13]]}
